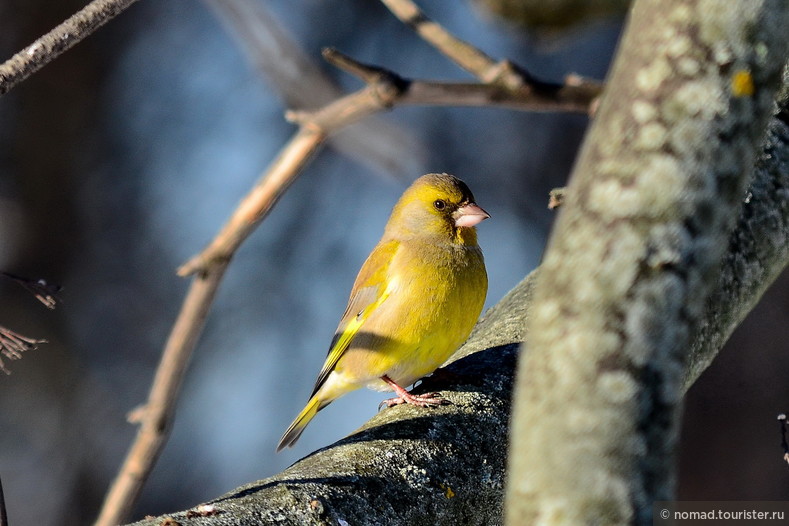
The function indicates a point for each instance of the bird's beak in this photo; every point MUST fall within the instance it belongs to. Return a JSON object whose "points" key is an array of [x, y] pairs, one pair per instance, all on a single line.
{"points": [[469, 215]]}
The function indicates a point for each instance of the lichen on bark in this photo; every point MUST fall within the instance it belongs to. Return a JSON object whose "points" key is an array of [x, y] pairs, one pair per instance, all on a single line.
{"points": [[633, 258]]}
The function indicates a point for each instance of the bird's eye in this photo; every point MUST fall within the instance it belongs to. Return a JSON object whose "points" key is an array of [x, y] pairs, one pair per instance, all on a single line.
{"points": [[439, 204]]}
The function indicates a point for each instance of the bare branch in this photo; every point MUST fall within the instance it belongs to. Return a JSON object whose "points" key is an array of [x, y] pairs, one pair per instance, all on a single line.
{"points": [[46, 48], [384, 90], [157, 415], [459, 51], [504, 73], [259, 201]]}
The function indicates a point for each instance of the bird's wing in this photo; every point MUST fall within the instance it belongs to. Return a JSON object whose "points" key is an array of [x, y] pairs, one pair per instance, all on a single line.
{"points": [[369, 291]]}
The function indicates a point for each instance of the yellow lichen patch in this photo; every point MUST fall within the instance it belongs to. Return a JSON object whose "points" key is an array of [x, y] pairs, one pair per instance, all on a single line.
{"points": [[742, 83], [448, 493]]}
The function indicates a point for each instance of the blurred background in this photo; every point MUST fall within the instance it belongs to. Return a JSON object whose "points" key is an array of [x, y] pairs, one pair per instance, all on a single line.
{"points": [[123, 158]]}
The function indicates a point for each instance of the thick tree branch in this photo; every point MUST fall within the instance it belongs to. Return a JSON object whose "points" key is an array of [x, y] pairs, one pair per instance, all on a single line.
{"points": [[758, 241], [63, 37], [453, 456], [633, 257]]}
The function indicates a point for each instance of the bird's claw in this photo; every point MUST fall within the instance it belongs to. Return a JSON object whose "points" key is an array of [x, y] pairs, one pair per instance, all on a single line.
{"points": [[422, 400]]}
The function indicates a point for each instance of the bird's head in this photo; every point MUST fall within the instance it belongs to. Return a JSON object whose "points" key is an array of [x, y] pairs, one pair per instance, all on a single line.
{"points": [[437, 205]]}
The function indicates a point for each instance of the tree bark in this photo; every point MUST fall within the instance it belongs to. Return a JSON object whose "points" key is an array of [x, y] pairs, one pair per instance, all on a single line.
{"points": [[634, 256], [409, 466]]}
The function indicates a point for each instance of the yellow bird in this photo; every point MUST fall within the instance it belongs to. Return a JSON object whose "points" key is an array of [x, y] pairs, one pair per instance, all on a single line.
{"points": [[414, 302]]}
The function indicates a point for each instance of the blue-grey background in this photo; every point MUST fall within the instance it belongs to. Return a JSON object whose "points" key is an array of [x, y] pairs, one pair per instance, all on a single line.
{"points": [[124, 157]]}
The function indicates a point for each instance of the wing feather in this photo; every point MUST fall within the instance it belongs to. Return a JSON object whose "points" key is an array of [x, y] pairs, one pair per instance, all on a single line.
{"points": [[368, 293]]}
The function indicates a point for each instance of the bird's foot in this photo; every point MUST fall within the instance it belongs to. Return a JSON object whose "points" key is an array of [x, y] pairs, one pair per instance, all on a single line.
{"points": [[404, 397], [423, 400]]}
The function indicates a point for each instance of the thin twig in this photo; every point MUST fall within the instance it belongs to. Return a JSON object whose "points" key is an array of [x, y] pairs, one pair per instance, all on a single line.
{"points": [[459, 51], [258, 203], [157, 415], [46, 48], [384, 90], [503, 73]]}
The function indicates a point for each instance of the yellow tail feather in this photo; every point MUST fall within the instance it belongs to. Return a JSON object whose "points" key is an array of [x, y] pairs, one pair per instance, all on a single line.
{"points": [[300, 423]]}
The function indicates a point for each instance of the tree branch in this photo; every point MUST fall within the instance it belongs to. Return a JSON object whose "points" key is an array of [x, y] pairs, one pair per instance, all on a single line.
{"points": [[504, 73], [453, 456], [757, 242], [633, 257], [384, 90], [458, 51], [63, 37]]}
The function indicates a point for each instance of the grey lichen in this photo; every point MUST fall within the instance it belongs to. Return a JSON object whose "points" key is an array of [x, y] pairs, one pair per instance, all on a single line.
{"points": [[633, 257], [758, 241]]}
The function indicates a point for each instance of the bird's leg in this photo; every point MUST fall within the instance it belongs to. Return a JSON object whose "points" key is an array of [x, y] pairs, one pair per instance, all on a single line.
{"points": [[404, 397]]}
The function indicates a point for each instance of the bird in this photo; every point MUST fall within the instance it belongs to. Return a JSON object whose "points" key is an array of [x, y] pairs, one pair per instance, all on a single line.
{"points": [[413, 303]]}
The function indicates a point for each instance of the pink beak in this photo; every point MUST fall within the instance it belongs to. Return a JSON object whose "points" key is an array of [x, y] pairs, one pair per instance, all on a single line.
{"points": [[469, 215]]}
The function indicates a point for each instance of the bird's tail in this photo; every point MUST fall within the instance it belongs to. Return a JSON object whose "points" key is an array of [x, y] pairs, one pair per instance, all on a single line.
{"points": [[295, 430]]}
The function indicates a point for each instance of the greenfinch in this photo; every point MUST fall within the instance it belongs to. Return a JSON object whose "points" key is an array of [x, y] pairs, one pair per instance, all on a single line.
{"points": [[414, 302]]}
